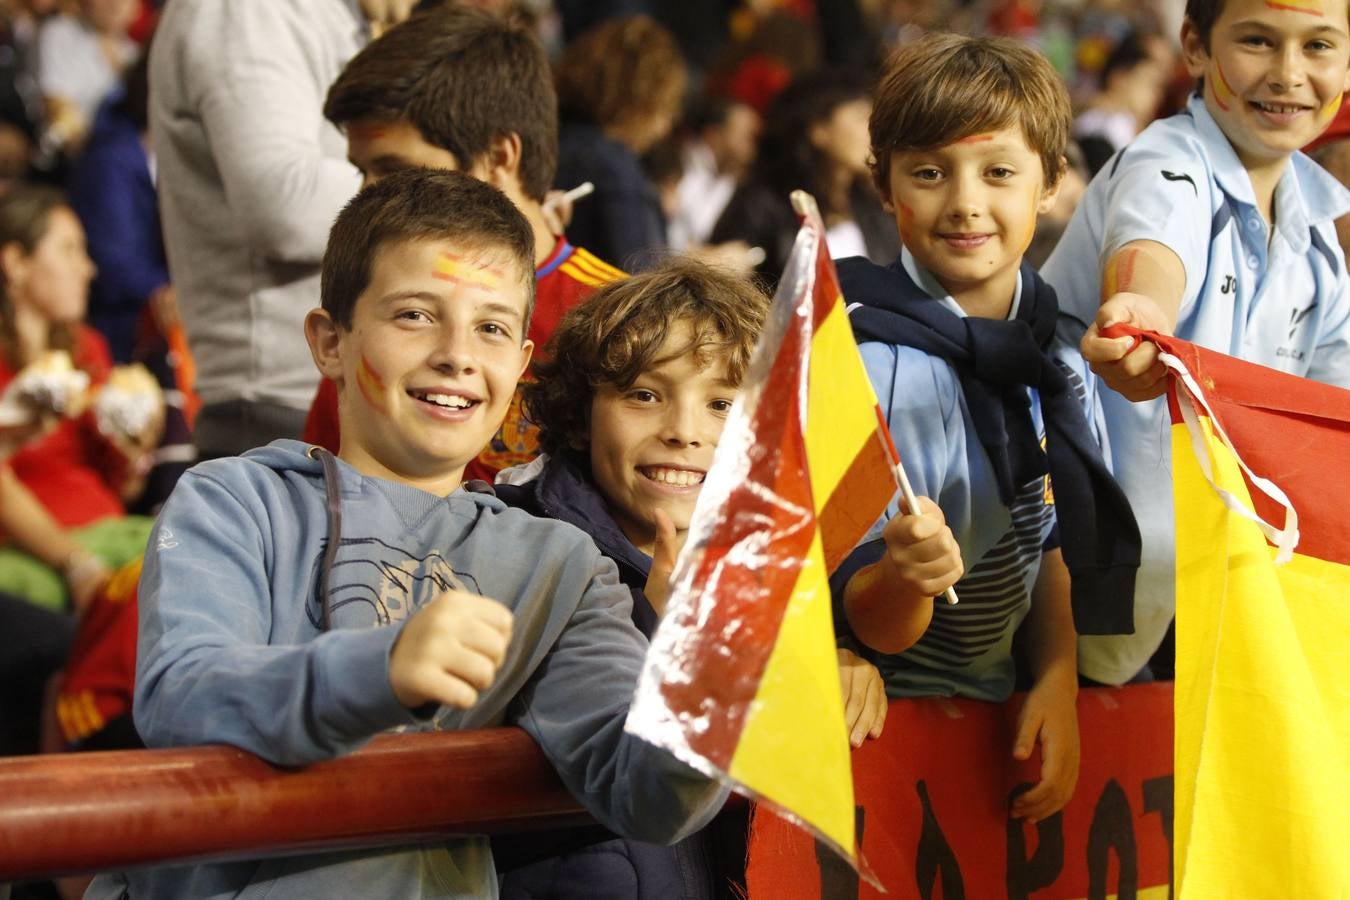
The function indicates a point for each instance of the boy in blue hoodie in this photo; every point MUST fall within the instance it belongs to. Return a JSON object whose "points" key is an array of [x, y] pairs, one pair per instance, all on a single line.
{"points": [[1016, 508], [295, 604]]}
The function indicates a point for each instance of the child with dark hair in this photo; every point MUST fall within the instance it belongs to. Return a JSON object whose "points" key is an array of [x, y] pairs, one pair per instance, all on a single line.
{"points": [[456, 88], [631, 407], [270, 621], [620, 89], [815, 139], [1212, 226], [1015, 506]]}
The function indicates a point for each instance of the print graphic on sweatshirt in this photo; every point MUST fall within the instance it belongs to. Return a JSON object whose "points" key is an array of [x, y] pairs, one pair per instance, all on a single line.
{"points": [[375, 583]]}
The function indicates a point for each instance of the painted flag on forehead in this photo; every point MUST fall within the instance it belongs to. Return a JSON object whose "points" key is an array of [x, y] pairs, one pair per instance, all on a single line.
{"points": [[741, 681], [1262, 500]]}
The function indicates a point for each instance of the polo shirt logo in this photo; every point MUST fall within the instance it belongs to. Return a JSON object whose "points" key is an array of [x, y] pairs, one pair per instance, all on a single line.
{"points": [[1173, 176]]}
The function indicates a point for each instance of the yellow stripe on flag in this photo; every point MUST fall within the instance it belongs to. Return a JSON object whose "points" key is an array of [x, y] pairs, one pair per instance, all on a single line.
{"points": [[794, 747], [1262, 701], [841, 406]]}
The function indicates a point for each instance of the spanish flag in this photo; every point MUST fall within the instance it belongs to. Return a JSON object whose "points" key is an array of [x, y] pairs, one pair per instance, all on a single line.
{"points": [[741, 681], [1262, 498]]}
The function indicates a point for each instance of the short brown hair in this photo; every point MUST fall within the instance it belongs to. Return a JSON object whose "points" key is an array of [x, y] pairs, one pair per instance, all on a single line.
{"points": [[621, 68], [615, 334], [946, 87], [418, 205], [1202, 14], [461, 77]]}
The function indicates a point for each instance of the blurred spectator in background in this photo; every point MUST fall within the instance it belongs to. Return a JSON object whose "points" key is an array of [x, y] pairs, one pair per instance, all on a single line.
{"points": [[250, 179], [715, 158], [112, 190], [1132, 84], [20, 98], [814, 138], [80, 60], [620, 89]]}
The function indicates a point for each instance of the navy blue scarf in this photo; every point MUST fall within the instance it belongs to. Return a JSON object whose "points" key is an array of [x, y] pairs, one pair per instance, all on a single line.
{"points": [[994, 361]]}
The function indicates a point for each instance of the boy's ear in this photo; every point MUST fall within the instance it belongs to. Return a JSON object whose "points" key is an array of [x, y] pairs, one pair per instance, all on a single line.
{"points": [[503, 162], [526, 354], [325, 343], [12, 261], [1193, 50], [1051, 192]]}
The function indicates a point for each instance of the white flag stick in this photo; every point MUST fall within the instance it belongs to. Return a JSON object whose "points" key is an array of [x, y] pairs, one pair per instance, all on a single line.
{"points": [[913, 501]]}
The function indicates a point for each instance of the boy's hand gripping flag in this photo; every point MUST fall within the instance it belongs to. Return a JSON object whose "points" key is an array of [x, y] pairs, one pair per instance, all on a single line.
{"points": [[741, 681], [1263, 628]]}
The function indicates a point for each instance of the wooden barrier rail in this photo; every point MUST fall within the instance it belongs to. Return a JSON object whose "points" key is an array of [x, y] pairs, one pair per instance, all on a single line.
{"points": [[92, 812]]}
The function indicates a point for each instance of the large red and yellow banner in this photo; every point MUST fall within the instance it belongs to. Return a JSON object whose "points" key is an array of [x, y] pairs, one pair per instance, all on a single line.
{"points": [[933, 799], [742, 681], [1262, 500]]}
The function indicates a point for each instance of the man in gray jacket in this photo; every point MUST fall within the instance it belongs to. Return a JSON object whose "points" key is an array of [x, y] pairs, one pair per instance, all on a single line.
{"points": [[251, 177]]}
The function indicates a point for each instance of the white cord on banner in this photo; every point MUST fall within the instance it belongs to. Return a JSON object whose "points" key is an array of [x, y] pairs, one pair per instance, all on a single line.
{"points": [[1285, 539]]}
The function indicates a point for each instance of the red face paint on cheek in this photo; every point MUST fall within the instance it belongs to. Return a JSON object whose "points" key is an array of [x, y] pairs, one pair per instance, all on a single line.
{"points": [[906, 220], [371, 385]]}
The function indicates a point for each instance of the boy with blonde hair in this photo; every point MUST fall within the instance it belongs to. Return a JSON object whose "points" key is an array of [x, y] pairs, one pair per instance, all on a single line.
{"points": [[968, 137]]}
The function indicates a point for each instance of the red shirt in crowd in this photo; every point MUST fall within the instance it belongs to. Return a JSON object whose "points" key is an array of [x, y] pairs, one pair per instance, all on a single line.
{"points": [[70, 470]]}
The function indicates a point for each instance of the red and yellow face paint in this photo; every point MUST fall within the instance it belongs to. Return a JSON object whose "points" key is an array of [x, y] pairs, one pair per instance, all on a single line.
{"points": [[471, 273], [1307, 7], [1223, 92], [371, 385], [976, 139]]}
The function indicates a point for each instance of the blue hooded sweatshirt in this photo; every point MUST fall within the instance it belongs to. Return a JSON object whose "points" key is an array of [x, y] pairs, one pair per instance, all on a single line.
{"points": [[231, 651]]}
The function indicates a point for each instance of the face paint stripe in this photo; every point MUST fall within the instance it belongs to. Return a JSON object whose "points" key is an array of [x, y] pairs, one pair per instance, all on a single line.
{"points": [[370, 384], [1329, 111], [976, 139], [1220, 82], [1310, 8], [457, 269]]}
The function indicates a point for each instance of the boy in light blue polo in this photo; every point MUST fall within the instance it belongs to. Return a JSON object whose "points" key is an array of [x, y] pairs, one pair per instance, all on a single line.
{"points": [[1210, 226]]}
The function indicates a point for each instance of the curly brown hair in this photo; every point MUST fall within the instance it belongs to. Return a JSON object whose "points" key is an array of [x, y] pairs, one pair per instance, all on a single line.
{"points": [[616, 334], [619, 70]]}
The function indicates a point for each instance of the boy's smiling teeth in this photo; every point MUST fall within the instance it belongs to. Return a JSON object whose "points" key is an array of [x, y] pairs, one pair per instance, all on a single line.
{"points": [[1265, 106], [675, 477], [452, 401]]}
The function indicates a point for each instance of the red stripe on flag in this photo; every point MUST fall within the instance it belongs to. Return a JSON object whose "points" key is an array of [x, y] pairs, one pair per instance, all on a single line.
{"points": [[1291, 430], [773, 503], [847, 515]]}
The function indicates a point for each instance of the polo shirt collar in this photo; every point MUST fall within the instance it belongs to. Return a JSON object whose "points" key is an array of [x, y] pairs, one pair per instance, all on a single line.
{"points": [[1306, 195], [933, 288]]}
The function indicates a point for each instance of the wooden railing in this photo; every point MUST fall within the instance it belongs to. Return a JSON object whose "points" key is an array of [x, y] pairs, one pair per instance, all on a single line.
{"points": [[90, 812]]}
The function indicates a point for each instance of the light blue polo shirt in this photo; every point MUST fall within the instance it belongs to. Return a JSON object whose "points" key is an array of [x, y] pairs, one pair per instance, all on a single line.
{"points": [[1279, 299], [967, 649]]}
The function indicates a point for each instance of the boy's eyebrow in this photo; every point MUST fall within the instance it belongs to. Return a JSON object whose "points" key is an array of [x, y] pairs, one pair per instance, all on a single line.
{"points": [[503, 309]]}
